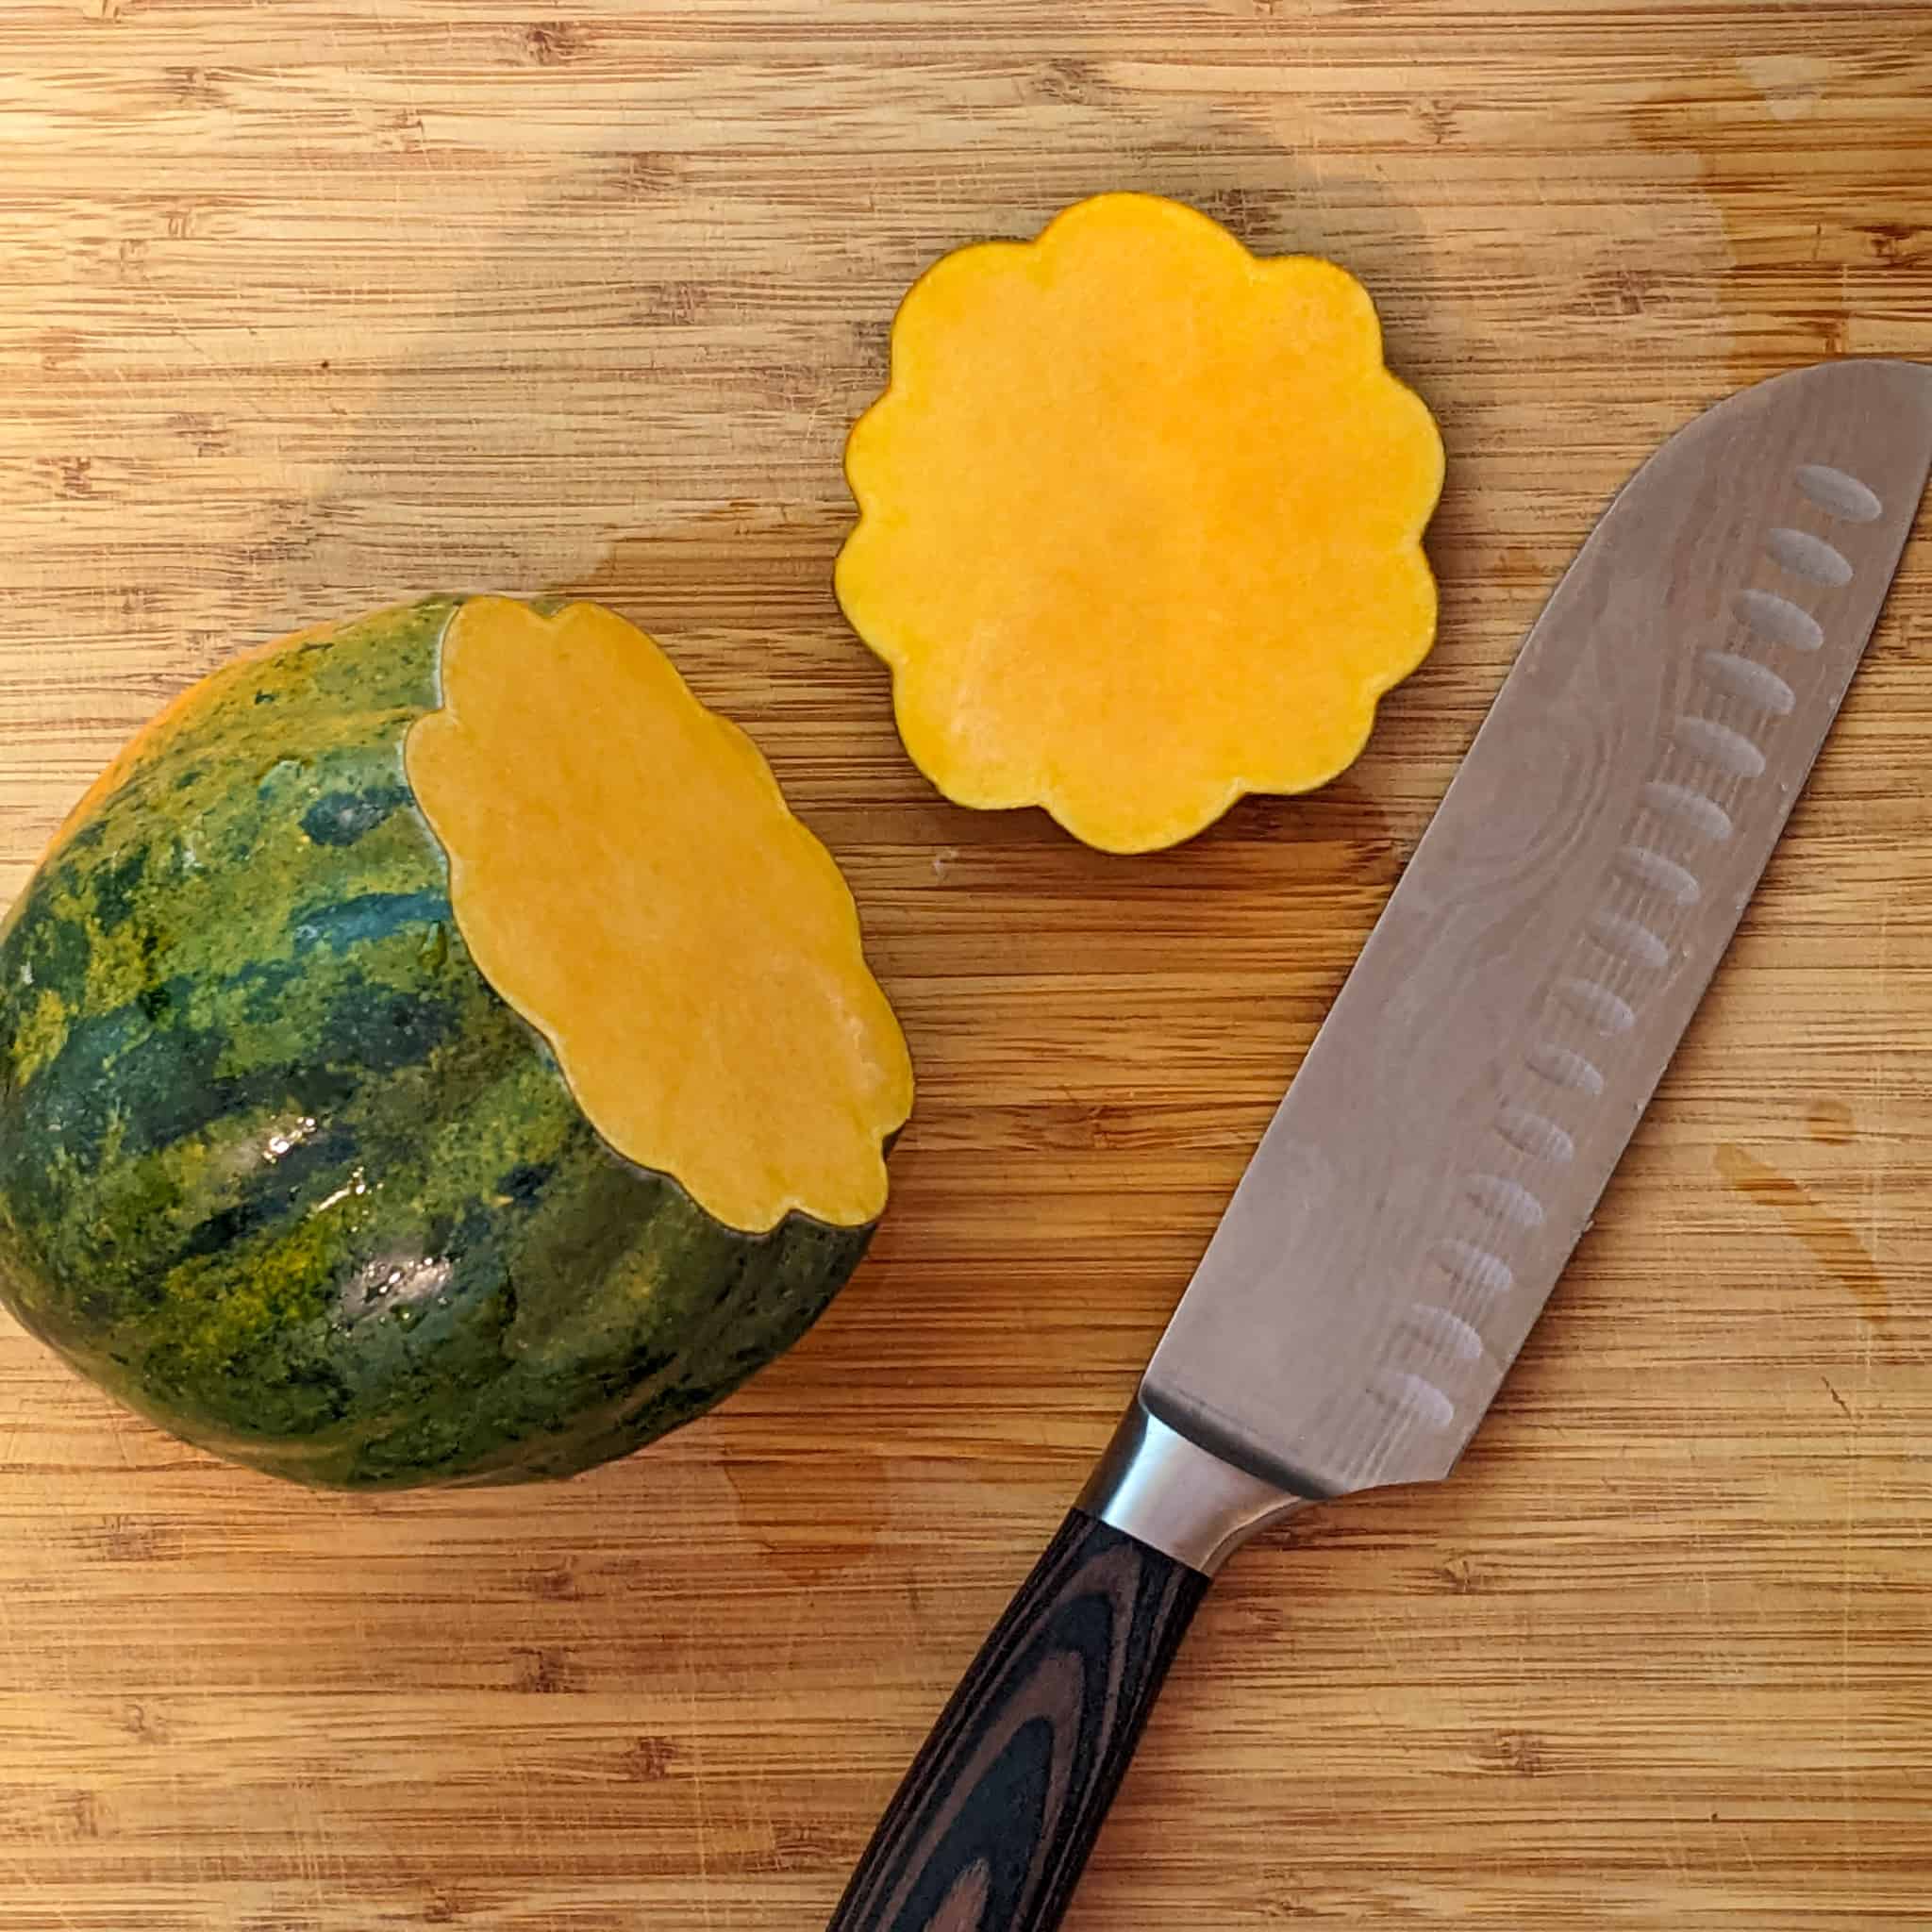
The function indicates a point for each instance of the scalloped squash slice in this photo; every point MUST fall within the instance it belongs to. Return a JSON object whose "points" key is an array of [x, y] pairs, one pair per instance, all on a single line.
{"points": [[628, 877], [1140, 521]]}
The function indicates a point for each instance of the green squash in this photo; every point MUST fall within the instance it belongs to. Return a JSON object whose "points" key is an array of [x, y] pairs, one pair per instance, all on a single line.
{"points": [[281, 1170]]}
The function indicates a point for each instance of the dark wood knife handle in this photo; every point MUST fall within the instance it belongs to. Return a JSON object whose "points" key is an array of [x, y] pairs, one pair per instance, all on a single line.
{"points": [[993, 1821]]}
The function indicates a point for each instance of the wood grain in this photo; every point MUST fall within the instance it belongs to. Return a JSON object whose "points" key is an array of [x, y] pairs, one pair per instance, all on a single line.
{"points": [[309, 306], [998, 1815]]}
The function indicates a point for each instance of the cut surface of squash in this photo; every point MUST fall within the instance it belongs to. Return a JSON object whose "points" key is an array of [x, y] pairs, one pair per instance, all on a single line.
{"points": [[626, 874], [1141, 521]]}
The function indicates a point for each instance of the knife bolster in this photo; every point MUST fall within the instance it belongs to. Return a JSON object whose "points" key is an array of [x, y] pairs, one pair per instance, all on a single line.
{"points": [[1156, 1485]]}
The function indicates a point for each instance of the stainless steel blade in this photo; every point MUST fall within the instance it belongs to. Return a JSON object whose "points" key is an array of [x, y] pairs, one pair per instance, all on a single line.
{"points": [[1446, 1138]]}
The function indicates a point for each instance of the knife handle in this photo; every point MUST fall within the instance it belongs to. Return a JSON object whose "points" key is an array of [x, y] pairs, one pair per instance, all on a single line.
{"points": [[994, 1819]]}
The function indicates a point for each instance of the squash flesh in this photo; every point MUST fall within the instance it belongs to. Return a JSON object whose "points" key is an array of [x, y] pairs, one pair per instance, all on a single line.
{"points": [[626, 875], [1140, 521]]}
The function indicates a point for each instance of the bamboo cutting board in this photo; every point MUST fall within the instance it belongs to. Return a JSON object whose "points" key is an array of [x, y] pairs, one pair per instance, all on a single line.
{"points": [[308, 306]]}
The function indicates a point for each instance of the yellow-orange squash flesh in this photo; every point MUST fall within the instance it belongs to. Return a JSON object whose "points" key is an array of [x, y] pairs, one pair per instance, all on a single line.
{"points": [[1141, 522], [625, 869]]}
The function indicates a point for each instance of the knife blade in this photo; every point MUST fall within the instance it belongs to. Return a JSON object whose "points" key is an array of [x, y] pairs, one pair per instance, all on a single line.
{"points": [[1447, 1135]]}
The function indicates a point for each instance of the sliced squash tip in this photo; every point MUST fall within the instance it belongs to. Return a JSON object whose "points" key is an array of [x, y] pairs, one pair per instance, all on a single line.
{"points": [[628, 879]]}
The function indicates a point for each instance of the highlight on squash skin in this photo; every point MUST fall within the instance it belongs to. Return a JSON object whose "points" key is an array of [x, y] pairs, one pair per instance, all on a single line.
{"points": [[1141, 521], [626, 874]]}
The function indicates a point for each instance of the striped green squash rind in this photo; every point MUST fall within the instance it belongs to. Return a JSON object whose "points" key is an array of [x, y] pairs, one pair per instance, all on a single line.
{"points": [[278, 1168]]}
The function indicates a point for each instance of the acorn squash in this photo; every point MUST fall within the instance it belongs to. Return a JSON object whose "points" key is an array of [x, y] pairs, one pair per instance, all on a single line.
{"points": [[433, 1052]]}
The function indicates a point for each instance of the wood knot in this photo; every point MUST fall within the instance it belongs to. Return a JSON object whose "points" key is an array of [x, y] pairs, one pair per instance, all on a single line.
{"points": [[142, 1725], [196, 87], [131, 1540], [543, 1672], [1073, 83], [1622, 292], [650, 172], [551, 46], [805, 1848], [1898, 244], [649, 1759], [677, 305], [1244, 210], [872, 336], [1517, 1754]]}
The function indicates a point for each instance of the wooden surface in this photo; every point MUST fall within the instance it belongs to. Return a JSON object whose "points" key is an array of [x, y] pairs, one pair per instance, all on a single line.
{"points": [[307, 305]]}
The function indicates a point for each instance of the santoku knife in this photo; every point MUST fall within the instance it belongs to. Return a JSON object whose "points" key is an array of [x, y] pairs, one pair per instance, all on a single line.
{"points": [[1448, 1134]]}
